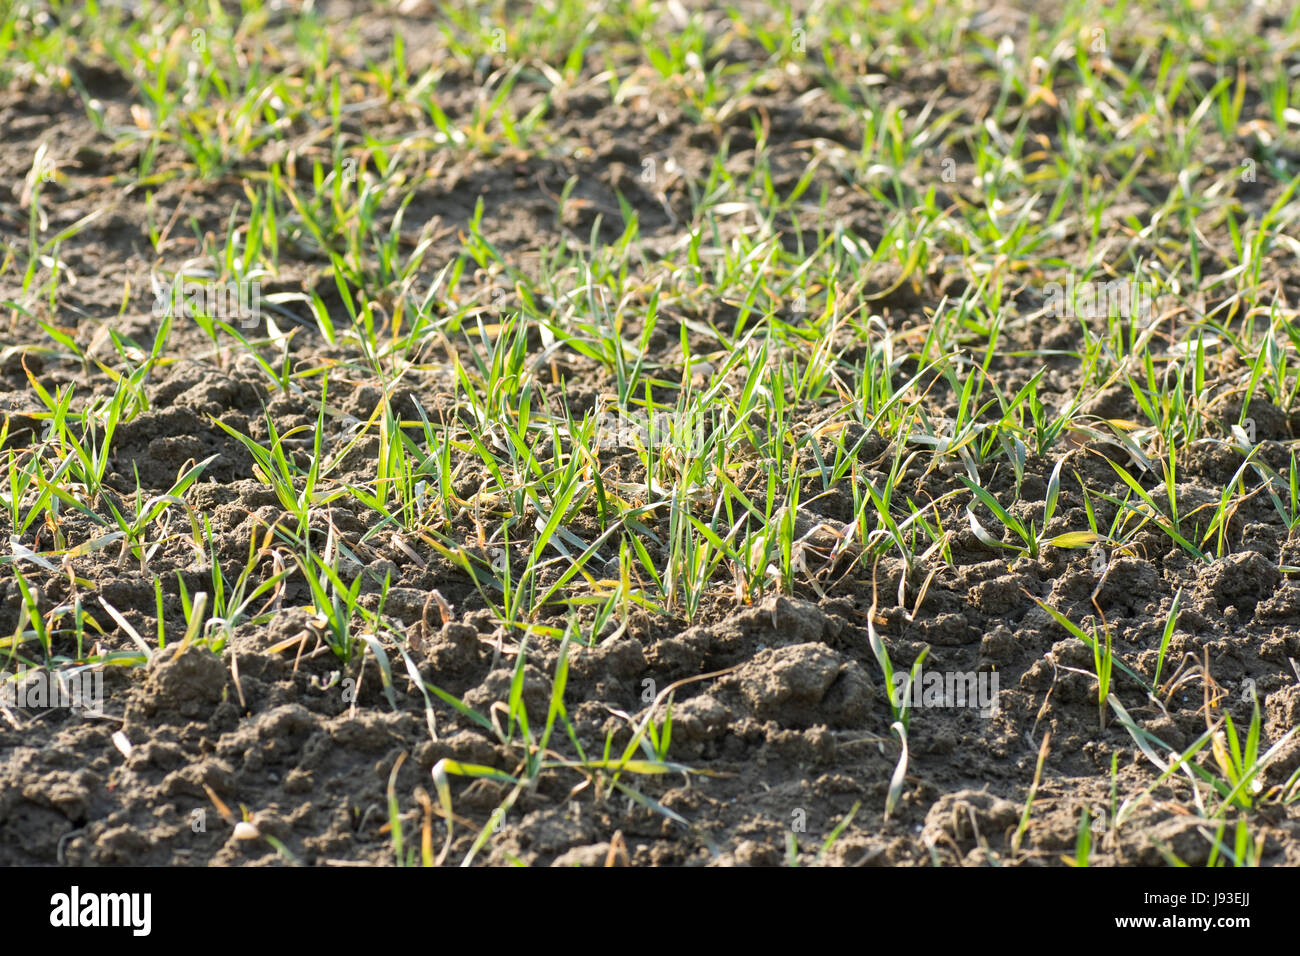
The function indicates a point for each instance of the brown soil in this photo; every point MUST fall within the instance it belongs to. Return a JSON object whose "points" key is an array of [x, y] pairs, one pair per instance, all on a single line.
{"points": [[797, 729]]}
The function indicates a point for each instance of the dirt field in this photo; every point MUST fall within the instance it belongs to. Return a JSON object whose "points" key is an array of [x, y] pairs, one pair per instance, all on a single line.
{"points": [[541, 441]]}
